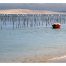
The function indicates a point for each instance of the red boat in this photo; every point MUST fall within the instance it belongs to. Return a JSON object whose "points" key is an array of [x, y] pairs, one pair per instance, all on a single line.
{"points": [[56, 26]]}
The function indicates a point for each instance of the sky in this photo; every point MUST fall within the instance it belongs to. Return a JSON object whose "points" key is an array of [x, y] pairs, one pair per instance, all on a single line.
{"points": [[35, 6]]}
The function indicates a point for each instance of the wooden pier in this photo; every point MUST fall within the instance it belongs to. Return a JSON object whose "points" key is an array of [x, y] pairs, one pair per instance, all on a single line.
{"points": [[18, 21]]}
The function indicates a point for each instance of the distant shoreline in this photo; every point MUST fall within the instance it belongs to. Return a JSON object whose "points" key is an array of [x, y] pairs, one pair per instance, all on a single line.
{"points": [[28, 11]]}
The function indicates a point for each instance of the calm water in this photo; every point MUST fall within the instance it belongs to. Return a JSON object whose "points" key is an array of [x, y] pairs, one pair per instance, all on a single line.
{"points": [[32, 41]]}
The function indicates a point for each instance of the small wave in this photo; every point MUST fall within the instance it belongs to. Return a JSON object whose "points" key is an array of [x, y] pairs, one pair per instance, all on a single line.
{"points": [[58, 58]]}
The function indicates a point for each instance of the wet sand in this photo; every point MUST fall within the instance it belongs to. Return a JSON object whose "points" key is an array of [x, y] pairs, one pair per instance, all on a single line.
{"points": [[58, 56], [27, 59], [42, 59], [36, 59]]}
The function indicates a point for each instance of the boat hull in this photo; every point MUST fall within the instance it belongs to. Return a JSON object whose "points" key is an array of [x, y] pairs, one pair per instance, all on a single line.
{"points": [[56, 26]]}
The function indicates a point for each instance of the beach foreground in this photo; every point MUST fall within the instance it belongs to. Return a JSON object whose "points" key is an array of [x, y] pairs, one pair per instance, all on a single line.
{"points": [[36, 59]]}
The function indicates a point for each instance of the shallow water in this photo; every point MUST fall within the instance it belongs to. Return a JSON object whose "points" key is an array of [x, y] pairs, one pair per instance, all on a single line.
{"points": [[32, 41]]}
